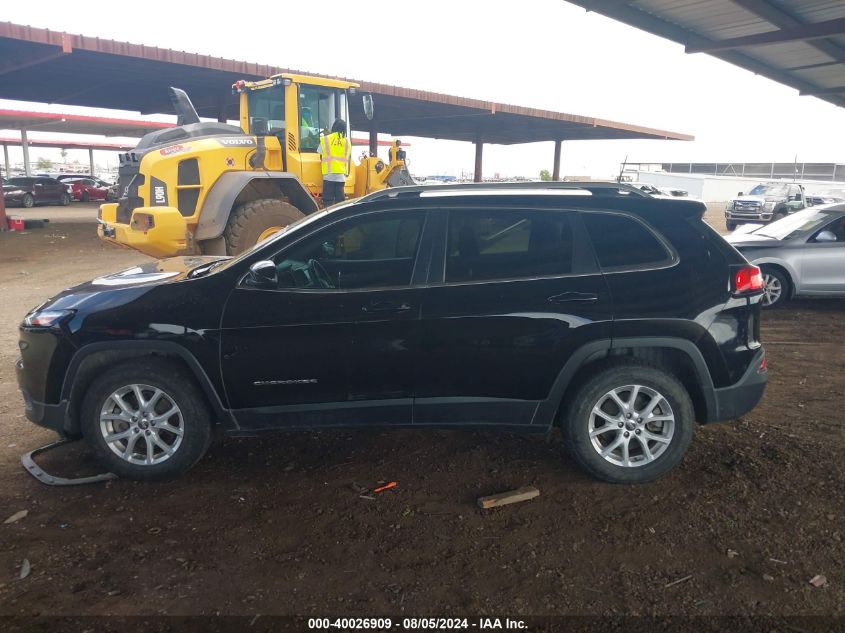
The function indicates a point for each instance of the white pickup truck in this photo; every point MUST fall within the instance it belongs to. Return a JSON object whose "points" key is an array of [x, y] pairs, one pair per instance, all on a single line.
{"points": [[765, 203]]}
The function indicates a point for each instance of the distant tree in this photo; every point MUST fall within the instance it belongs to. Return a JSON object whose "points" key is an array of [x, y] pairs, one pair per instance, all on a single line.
{"points": [[44, 163], [545, 175], [64, 155]]}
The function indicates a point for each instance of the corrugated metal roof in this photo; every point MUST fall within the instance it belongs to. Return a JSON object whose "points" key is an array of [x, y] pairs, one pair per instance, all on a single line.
{"points": [[799, 34], [89, 71]]}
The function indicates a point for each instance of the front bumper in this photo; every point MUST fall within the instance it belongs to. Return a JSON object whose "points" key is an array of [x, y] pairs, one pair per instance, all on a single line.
{"points": [[168, 236], [738, 216], [738, 399], [50, 416]]}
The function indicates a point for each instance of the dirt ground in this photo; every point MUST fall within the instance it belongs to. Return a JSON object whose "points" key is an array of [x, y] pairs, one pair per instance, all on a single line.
{"points": [[275, 525]]}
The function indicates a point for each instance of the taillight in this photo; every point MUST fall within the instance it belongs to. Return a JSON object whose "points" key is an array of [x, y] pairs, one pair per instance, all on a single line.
{"points": [[763, 368], [746, 279]]}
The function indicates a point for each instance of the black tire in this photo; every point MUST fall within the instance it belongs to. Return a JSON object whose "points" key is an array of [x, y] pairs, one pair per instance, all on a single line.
{"points": [[28, 201], [64, 200], [85, 197], [251, 219], [179, 389], [731, 226], [780, 214], [576, 421], [770, 298]]}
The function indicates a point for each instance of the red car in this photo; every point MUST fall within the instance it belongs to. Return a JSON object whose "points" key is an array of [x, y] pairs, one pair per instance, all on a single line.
{"points": [[86, 189]]}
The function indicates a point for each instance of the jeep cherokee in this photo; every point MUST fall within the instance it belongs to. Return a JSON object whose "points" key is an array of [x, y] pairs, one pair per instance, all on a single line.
{"points": [[621, 318]]}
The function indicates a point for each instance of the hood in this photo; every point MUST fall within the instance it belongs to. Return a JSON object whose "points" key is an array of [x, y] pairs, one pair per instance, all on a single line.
{"points": [[125, 285], [750, 240], [155, 272], [760, 199]]}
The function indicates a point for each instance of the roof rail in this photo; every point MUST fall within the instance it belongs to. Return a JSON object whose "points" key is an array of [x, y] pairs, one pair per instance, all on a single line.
{"points": [[594, 187]]}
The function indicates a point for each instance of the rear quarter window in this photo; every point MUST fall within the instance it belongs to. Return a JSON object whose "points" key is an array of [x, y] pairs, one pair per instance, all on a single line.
{"points": [[623, 243]]}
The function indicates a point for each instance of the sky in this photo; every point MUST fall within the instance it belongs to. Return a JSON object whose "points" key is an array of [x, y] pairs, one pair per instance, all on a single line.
{"points": [[546, 54]]}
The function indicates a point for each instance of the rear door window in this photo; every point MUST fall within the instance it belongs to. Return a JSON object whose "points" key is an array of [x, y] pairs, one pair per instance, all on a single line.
{"points": [[507, 244], [623, 243]]}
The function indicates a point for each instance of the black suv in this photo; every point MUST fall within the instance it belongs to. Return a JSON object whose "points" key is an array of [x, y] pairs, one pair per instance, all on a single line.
{"points": [[621, 318]]}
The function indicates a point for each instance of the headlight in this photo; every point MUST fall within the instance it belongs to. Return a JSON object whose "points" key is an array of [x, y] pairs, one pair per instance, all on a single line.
{"points": [[46, 318], [729, 206], [769, 205]]}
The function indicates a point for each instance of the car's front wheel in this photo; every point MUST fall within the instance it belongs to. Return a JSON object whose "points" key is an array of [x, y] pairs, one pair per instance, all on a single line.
{"points": [[731, 226], [146, 420], [630, 423]]}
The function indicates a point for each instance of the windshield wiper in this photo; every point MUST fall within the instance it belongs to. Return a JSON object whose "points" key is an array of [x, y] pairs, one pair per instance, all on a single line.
{"points": [[201, 270]]}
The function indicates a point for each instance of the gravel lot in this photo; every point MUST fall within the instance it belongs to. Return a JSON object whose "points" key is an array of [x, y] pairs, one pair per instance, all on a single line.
{"points": [[275, 525]]}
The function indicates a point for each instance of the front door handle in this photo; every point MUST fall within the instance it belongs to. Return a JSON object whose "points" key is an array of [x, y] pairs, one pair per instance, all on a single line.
{"points": [[387, 306], [572, 297]]}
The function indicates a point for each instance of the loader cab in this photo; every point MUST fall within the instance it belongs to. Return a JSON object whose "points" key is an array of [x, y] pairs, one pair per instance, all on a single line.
{"points": [[298, 110]]}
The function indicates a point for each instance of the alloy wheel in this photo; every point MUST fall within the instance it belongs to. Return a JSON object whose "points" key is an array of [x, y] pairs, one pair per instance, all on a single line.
{"points": [[141, 424], [631, 426], [772, 289]]}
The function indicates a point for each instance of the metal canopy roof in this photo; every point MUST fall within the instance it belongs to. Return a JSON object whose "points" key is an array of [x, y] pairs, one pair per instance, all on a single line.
{"points": [[76, 124], [52, 67], [63, 144], [800, 43]]}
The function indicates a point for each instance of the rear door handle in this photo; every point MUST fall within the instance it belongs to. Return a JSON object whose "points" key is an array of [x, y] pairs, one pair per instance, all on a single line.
{"points": [[386, 306], [572, 297]]}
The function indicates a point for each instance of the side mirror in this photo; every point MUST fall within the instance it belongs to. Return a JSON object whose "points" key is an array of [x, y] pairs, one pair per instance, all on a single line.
{"points": [[259, 127], [739, 193], [826, 236], [263, 275], [369, 111]]}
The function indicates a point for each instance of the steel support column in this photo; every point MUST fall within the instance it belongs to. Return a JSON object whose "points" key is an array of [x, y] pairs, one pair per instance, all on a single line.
{"points": [[91, 160], [3, 222], [6, 158], [479, 150], [25, 147], [556, 166]]}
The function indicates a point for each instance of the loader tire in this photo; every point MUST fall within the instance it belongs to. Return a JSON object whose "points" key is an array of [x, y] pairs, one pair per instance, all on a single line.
{"points": [[252, 220]]}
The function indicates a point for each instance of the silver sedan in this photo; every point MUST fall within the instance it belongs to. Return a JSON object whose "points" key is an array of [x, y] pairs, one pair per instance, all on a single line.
{"points": [[802, 255]]}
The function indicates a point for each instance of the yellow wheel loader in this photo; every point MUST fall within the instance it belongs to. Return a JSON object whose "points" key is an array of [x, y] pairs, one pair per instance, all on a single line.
{"points": [[217, 189]]}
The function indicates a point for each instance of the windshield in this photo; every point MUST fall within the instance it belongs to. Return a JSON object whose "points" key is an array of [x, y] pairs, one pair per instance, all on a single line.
{"points": [[318, 108], [768, 190], [795, 224]]}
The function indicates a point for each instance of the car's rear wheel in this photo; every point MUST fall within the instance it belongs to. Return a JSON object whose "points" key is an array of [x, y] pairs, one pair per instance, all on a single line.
{"points": [[28, 201], [629, 423], [64, 199], [146, 420], [85, 196], [776, 288]]}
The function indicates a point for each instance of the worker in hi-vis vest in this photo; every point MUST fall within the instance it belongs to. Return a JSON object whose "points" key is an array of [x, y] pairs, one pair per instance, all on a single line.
{"points": [[336, 155]]}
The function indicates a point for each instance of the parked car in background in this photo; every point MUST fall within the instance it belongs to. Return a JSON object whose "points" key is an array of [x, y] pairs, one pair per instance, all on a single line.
{"points": [[113, 193], [31, 191], [99, 181], [621, 318], [828, 196], [766, 202], [802, 255], [85, 189]]}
